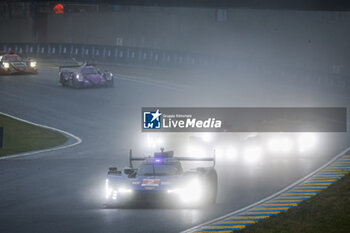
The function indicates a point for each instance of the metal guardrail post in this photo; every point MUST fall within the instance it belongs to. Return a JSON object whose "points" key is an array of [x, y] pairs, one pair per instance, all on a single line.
{"points": [[1, 137], [121, 54]]}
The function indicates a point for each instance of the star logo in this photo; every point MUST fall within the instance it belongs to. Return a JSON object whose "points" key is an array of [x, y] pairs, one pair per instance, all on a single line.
{"points": [[156, 115], [152, 120]]}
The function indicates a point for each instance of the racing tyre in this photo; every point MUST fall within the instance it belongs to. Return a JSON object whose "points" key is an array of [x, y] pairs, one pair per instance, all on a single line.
{"points": [[111, 84], [63, 82], [71, 82]]}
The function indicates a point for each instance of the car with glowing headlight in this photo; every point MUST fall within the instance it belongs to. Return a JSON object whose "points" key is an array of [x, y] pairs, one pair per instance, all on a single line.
{"points": [[161, 178], [83, 76], [11, 63]]}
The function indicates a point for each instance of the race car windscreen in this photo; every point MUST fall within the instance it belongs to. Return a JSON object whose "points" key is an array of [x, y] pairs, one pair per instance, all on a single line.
{"points": [[89, 70], [158, 170], [14, 59]]}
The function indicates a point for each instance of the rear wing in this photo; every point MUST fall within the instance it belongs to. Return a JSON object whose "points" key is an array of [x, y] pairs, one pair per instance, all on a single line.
{"points": [[193, 159], [196, 159], [131, 159], [88, 64]]}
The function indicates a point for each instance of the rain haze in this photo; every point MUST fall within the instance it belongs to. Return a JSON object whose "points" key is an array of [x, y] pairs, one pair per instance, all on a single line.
{"points": [[185, 54]]}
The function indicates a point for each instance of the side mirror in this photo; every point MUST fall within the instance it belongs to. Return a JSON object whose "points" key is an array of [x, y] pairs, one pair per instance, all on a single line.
{"points": [[113, 171], [129, 170]]}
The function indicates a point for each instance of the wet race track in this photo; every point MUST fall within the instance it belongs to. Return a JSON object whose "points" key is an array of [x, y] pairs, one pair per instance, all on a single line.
{"points": [[63, 191]]}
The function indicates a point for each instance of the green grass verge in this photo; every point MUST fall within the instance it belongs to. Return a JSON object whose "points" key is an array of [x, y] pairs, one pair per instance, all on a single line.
{"points": [[327, 212], [22, 137]]}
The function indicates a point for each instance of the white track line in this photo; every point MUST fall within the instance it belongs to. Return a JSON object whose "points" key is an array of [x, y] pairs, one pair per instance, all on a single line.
{"points": [[77, 139], [267, 198]]}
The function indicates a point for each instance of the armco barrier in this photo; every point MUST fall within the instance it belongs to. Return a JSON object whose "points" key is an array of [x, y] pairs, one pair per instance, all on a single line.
{"points": [[1, 137], [120, 54], [168, 58]]}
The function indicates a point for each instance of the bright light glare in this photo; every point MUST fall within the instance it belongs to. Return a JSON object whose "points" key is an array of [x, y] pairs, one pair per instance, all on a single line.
{"points": [[252, 154], [196, 151], [114, 195], [33, 64], [109, 76], [80, 77], [6, 65], [124, 190], [231, 152], [219, 152], [191, 193], [280, 145], [173, 190], [306, 141], [226, 152], [206, 137], [107, 189], [154, 142]]}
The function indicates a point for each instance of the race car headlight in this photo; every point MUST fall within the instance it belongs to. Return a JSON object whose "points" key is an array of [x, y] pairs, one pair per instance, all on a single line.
{"points": [[6, 65], [230, 153], [154, 141], [192, 192], [281, 145], [79, 77], [109, 76], [252, 154], [306, 142], [124, 190], [33, 64], [112, 192], [107, 189]]}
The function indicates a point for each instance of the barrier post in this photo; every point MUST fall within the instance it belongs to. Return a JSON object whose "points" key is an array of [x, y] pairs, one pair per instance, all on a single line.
{"points": [[1, 137]]}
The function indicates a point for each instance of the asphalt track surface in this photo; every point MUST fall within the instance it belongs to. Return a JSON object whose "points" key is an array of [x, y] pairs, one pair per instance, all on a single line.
{"points": [[62, 191]]}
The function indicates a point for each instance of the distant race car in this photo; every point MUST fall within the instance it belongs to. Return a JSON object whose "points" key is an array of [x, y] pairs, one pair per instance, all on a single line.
{"points": [[83, 76], [161, 178], [11, 63]]}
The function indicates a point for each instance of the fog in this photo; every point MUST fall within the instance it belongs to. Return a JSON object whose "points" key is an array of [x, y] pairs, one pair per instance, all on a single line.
{"points": [[251, 58]]}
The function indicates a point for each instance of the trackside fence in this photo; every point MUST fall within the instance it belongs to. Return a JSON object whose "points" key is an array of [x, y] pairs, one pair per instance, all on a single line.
{"points": [[273, 72]]}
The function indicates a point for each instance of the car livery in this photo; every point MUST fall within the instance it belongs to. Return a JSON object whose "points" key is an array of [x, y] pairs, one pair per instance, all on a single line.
{"points": [[84, 76], [161, 178], [11, 63]]}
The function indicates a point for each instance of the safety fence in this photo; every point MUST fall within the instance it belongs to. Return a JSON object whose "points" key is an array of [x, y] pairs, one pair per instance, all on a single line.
{"points": [[168, 58], [119, 54]]}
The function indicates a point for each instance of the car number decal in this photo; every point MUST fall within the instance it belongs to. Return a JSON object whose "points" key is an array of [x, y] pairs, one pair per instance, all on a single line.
{"points": [[150, 182]]}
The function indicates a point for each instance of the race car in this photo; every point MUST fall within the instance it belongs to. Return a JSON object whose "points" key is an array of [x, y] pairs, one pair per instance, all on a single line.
{"points": [[161, 178], [11, 63], [86, 75]]}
